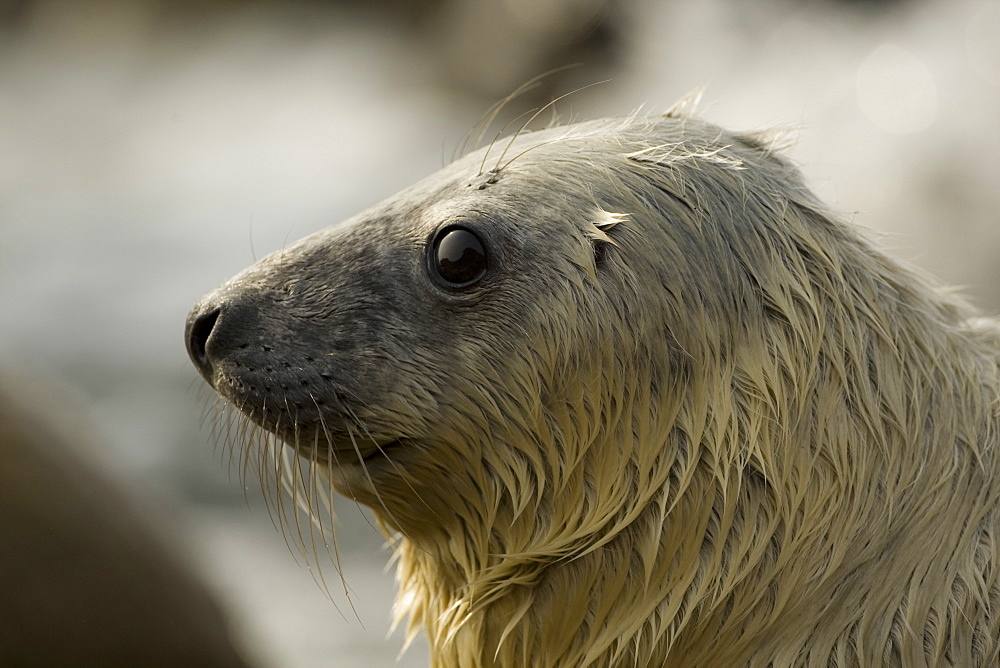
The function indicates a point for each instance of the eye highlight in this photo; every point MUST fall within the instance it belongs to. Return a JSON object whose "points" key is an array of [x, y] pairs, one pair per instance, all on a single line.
{"points": [[457, 257]]}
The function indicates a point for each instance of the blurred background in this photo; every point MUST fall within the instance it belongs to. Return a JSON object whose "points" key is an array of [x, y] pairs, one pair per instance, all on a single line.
{"points": [[151, 149]]}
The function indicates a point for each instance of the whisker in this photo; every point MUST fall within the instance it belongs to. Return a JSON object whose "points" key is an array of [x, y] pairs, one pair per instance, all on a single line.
{"points": [[496, 137], [249, 448], [364, 467], [517, 134], [327, 501], [491, 114]]}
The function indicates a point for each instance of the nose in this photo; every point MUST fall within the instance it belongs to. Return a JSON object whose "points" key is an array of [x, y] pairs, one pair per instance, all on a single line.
{"points": [[198, 330], [222, 327]]}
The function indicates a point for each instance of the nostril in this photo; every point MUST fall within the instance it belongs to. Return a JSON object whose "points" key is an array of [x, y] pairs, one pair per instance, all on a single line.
{"points": [[201, 328]]}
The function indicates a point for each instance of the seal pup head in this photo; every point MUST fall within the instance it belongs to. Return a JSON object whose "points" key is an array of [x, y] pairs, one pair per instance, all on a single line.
{"points": [[420, 348], [631, 395]]}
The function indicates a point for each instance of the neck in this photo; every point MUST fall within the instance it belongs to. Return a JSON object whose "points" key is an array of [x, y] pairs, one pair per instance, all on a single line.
{"points": [[712, 567]]}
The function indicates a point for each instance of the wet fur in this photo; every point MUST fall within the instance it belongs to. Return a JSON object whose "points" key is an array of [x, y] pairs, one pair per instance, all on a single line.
{"points": [[689, 419]]}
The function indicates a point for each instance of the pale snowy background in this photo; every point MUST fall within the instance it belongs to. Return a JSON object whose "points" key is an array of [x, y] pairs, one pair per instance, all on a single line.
{"points": [[149, 150]]}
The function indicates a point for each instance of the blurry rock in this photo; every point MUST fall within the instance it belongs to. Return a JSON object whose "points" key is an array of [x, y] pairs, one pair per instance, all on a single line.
{"points": [[83, 580]]}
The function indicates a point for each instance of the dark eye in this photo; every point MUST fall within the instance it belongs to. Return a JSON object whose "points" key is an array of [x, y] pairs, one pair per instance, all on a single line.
{"points": [[458, 257]]}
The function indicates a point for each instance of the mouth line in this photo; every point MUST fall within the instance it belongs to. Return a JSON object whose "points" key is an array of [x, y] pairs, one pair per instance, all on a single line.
{"points": [[381, 452], [376, 458]]}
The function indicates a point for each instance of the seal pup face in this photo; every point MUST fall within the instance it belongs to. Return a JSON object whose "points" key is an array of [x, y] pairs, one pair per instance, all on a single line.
{"points": [[415, 349]]}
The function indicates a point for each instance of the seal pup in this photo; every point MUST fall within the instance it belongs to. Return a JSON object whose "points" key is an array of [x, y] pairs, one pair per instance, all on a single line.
{"points": [[628, 394]]}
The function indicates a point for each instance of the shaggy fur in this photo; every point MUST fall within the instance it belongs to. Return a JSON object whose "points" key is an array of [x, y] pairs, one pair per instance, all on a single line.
{"points": [[688, 418]]}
